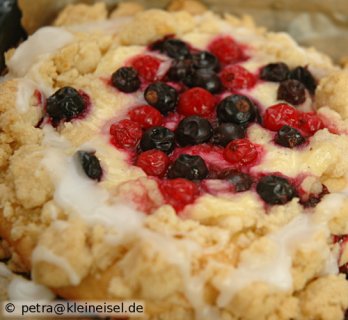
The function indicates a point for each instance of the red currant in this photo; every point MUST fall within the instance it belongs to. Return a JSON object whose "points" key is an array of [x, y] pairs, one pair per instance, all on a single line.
{"points": [[125, 134], [236, 77], [153, 162], [310, 123], [240, 152], [146, 116], [196, 101], [147, 67], [226, 50], [280, 115]]}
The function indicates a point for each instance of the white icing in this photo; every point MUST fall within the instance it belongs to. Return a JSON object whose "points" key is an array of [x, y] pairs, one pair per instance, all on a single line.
{"points": [[5, 272], [25, 290], [42, 254], [45, 40], [25, 91]]}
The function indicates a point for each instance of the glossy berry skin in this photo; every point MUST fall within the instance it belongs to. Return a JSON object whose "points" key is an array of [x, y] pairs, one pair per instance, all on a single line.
{"points": [[292, 91], [310, 123], [226, 50], [125, 134], [65, 104], [193, 130], [196, 101], [205, 60], [126, 79], [240, 152], [275, 190], [159, 138], [204, 78], [275, 72], [147, 67], [153, 162], [146, 116], [180, 69], [235, 77], [303, 75], [161, 96], [90, 165], [237, 109], [188, 167], [279, 115], [179, 192], [240, 181], [173, 48], [226, 132], [289, 137]]}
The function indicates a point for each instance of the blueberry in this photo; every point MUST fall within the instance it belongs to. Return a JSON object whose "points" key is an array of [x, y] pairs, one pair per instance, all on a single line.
{"points": [[205, 60], [289, 137], [126, 79], [292, 91], [275, 190], [180, 69], [237, 109], [173, 48], [305, 77], [161, 96], [188, 167], [204, 78], [241, 181], [227, 132], [159, 138], [193, 130], [275, 72], [65, 104], [90, 164]]}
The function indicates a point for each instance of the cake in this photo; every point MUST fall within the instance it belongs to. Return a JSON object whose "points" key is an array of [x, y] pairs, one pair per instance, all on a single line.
{"points": [[191, 161]]}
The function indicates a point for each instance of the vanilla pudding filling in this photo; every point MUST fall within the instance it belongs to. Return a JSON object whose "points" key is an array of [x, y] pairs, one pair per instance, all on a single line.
{"points": [[98, 203]]}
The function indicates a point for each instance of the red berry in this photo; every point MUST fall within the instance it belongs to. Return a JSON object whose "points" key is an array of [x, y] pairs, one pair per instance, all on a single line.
{"points": [[125, 134], [226, 50], [240, 152], [146, 116], [153, 162], [280, 115], [235, 77], [310, 123], [147, 67], [179, 192], [196, 101]]}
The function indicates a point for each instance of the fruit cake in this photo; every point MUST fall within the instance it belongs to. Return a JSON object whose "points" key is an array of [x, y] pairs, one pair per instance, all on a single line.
{"points": [[192, 161]]}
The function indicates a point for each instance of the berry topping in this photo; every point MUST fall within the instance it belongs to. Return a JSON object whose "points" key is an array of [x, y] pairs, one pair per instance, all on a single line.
{"points": [[275, 72], [180, 69], [188, 167], [227, 132], [292, 91], [236, 77], [280, 115], [310, 123], [146, 116], [90, 164], [65, 104], [289, 137], [204, 78], [240, 152], [312, 200], [147, 67], [196, 101], [193, 130], [305, 77], [226, 50], [126, 133], [240, 181], [126, 79], [153, 162], [173, 48], [159, 138], [237, 109], [205, 60], [275, 190], [161, 96], [178, 192]]}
